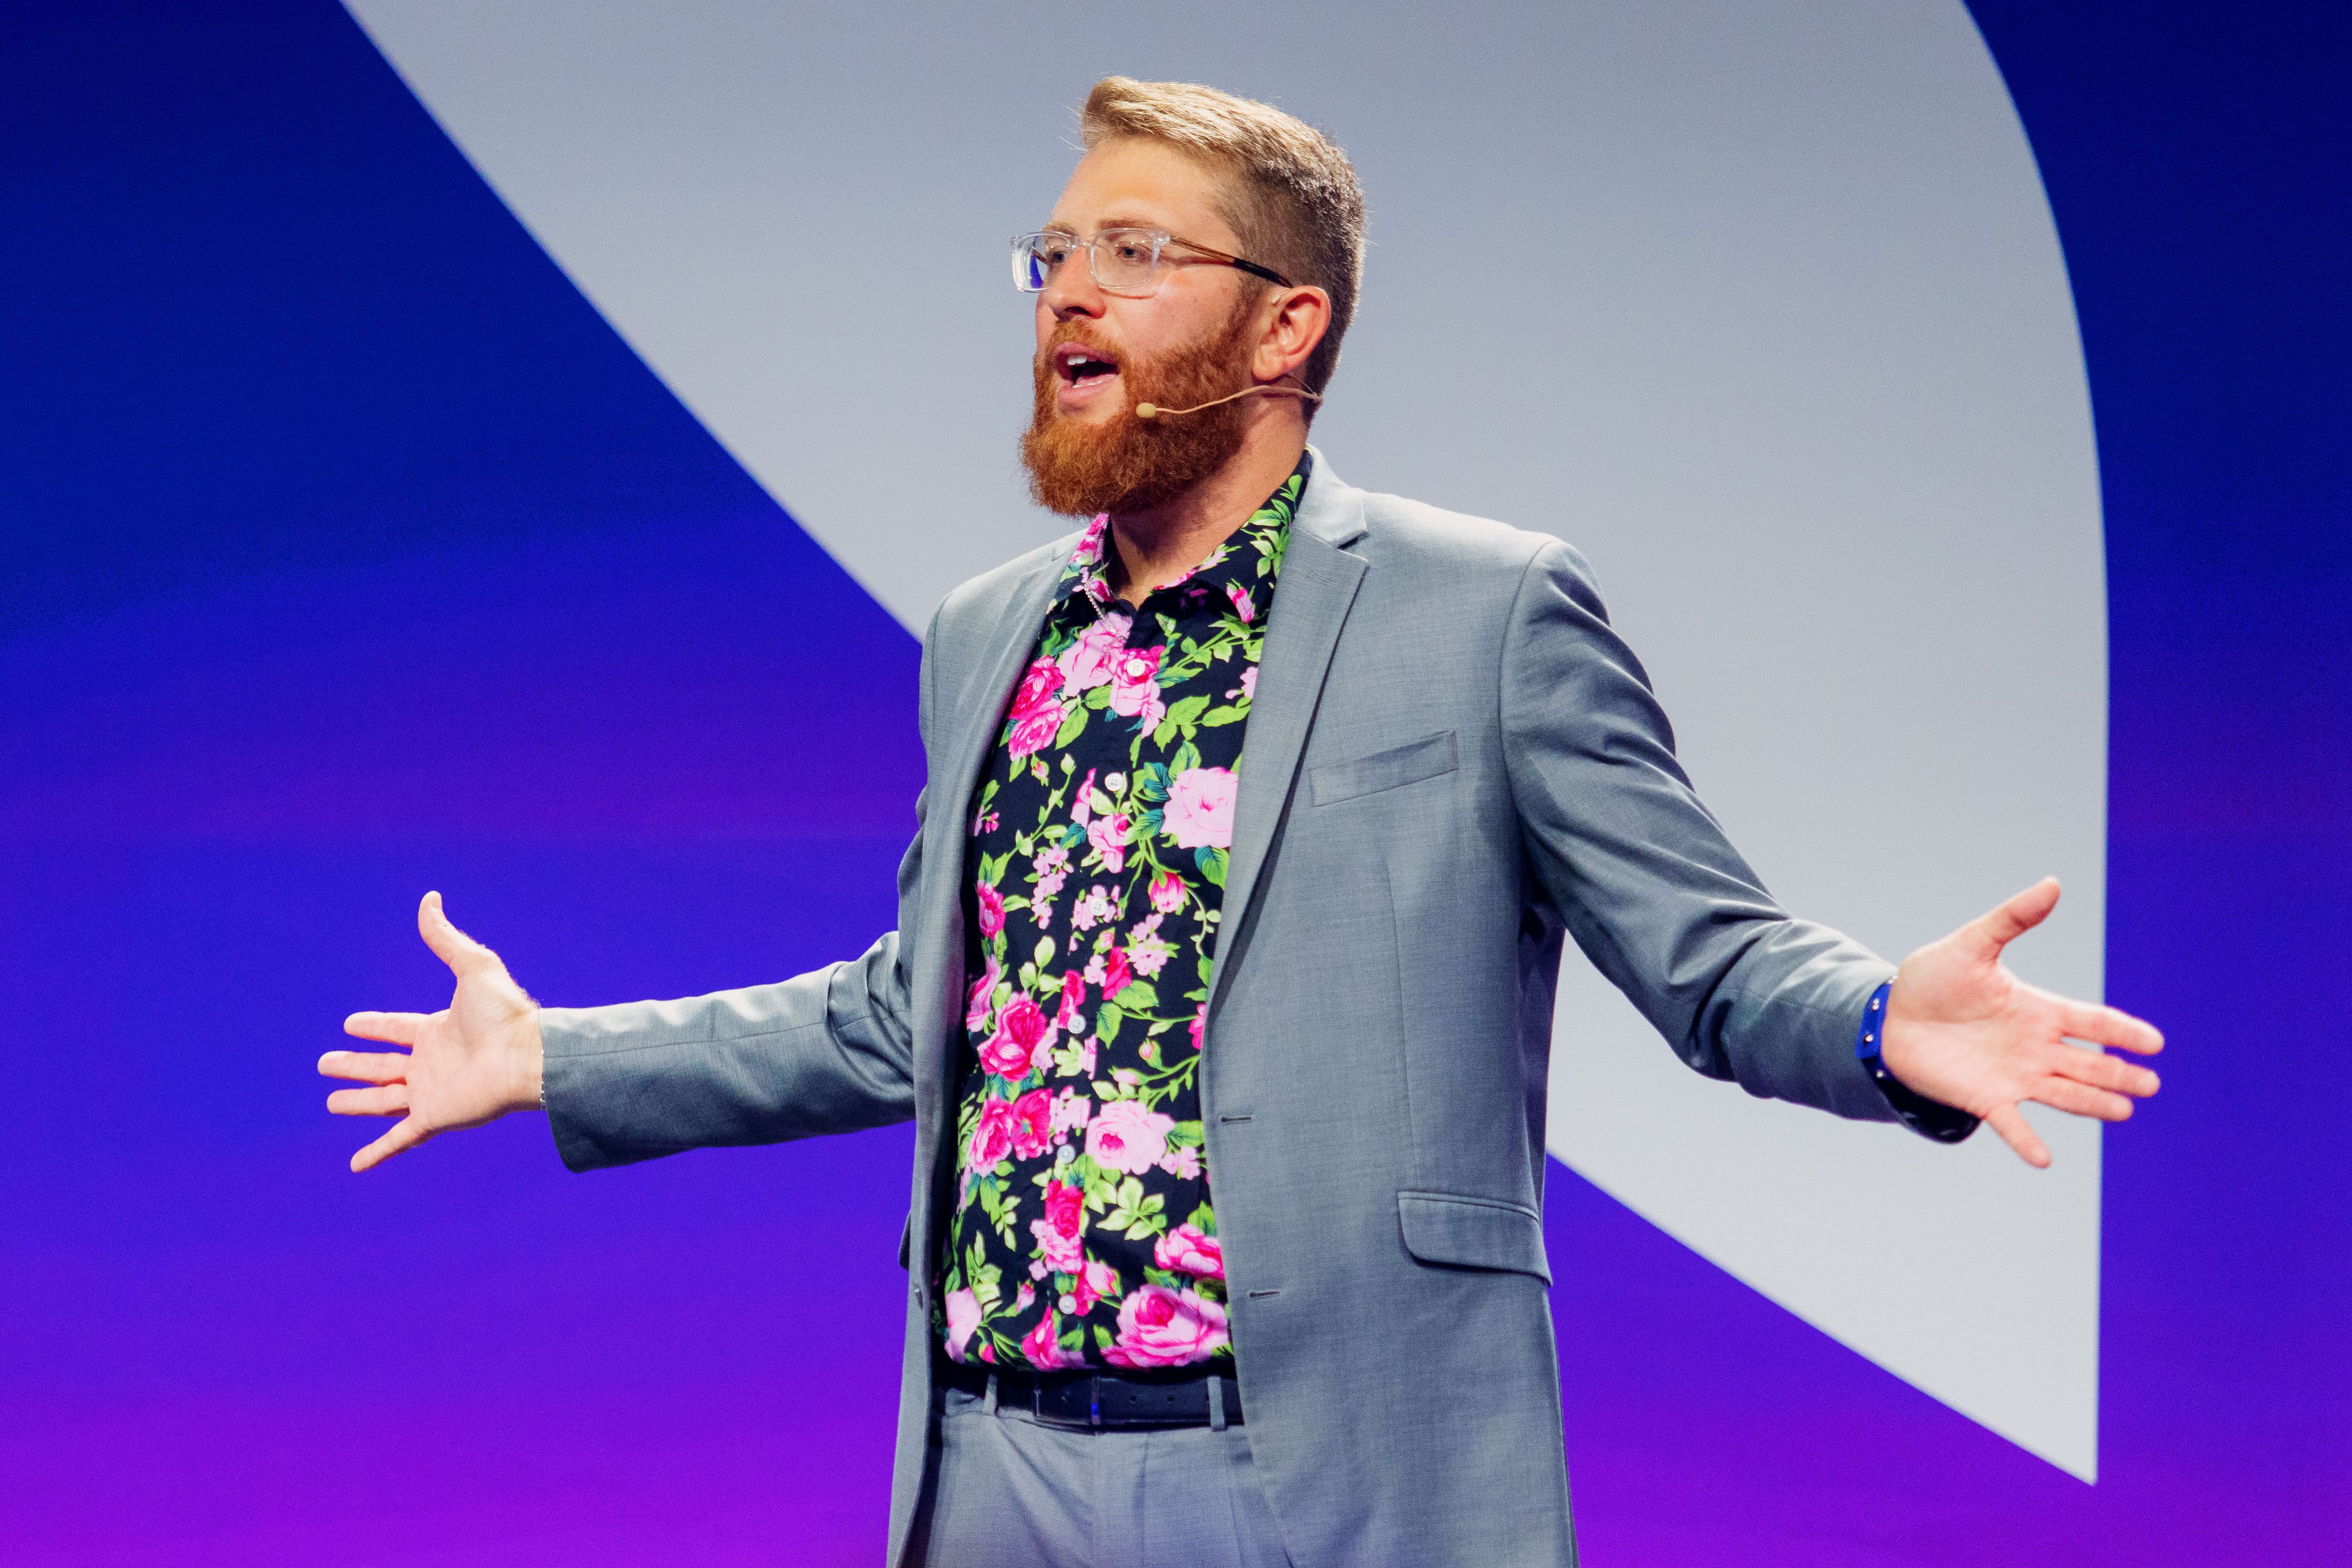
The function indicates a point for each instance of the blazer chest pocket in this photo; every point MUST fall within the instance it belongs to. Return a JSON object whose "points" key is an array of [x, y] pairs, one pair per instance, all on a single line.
{"points": [[1391, 769], [1472, 1233]]}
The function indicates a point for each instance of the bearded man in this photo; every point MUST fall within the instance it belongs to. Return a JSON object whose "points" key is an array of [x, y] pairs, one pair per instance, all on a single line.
{"points": [[1257, 811]]}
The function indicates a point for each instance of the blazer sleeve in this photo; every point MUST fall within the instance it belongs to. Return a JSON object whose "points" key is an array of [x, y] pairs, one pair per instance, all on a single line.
{"points": [[1644, 877], [827, 1052]]}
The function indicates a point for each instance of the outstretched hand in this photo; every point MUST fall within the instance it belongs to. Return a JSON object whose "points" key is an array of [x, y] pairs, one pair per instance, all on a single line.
{"points": [[471, 1062], [1962, 1030]]}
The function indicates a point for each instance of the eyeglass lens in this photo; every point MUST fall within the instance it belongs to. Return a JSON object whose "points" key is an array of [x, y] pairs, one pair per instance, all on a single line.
{"points": [[1120, 259]]}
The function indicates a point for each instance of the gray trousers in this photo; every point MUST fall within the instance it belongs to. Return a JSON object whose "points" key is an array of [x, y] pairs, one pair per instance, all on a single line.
{"points": [[1010, 1492]]}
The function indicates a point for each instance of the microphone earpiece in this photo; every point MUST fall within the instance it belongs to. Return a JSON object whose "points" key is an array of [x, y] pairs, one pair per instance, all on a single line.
{"points": [[1153, 410]]}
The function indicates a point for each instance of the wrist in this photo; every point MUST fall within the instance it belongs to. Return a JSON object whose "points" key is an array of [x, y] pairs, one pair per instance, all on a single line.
{"points": [[527, 1088], [1875, 1039]]}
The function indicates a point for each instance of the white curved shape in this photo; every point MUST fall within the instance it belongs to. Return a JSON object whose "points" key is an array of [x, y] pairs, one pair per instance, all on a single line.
{"points": [[1762, 305]]}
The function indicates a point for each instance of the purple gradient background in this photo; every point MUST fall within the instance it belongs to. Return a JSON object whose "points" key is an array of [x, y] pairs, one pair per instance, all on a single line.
{"points": [[344, 552]]}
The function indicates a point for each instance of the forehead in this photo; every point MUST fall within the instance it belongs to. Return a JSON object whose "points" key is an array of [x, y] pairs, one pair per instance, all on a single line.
{"points": [[1132, 181]]}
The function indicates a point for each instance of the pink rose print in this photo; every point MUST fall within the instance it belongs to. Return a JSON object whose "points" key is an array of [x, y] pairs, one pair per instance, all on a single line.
{"points": [[1200, 1022], [1086, 663], [1071, 1110], [992, 909], [1148, 950], [1057, 1230], [1118, 973], [992, 1137], [1043, 1345], [1126, 1137], [1187, 1250], [1161, 1327], [1033, 731], [1060, 1254], [987, 1353], [1249, 683], [1200, 807], [1109, 833], [1024, 1298], [1073, 997], [1038, 685], [975, 1010], [1097, 1281], [1023, 1032], [1134, 685], [1241, 606], [1065, 1206], [1167, 892], [1033, 1122], [1184, 1164], [963, 1317]]}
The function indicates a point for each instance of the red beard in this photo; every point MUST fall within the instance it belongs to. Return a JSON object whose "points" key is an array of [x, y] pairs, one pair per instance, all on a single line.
{"points": [[1130, 465]]}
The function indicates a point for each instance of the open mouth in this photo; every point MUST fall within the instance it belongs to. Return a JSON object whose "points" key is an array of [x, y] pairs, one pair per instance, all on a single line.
{"points": [[1082, 367]]}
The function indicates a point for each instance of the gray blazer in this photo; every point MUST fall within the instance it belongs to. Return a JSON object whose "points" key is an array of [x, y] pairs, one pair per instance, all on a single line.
{"points": [[1452, 761]]}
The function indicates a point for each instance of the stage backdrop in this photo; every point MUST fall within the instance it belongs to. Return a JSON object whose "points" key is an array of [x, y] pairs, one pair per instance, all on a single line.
{"points": [[502, 447]]}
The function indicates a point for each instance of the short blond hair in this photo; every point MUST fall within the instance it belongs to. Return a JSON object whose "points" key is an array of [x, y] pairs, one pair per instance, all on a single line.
{"points": [[1292, 196]]}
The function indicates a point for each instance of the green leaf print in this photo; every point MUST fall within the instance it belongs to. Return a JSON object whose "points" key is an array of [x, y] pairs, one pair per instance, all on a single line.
{"points": [[1137, 998], [1213, 862], [1107, 1017]]}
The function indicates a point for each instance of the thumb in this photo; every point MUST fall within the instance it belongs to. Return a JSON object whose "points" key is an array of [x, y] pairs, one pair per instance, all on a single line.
{"points": [[1991, 932], [451, 945]]}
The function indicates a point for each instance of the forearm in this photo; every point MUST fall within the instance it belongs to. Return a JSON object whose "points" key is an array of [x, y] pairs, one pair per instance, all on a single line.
{"points": [[1648, 883], [822, 1053]]}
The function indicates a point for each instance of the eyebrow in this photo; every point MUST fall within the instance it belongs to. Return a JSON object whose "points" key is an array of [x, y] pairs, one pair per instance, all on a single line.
{"points": [[1059, 228]]}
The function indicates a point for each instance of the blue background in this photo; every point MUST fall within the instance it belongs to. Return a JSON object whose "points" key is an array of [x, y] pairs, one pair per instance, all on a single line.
{"points": [[334, 524]]}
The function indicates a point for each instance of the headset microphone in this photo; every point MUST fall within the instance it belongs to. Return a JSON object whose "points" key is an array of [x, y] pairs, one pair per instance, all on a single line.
{"points": [[1153, 410]]}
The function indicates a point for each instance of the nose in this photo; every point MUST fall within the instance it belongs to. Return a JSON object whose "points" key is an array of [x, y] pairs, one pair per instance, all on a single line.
{"points": [[1070, 290]]}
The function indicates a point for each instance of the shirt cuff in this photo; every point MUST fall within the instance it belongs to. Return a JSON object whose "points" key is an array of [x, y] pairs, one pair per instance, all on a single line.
{"points": [[1928, 1118]]}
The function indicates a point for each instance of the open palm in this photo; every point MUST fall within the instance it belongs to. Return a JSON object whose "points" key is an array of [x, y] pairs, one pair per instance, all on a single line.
{"points": [[1962, 1030], [471, 1062]]}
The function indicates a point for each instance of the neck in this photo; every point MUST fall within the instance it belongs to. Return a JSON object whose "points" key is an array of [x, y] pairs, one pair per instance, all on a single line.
{"points": [[1161, 545]]}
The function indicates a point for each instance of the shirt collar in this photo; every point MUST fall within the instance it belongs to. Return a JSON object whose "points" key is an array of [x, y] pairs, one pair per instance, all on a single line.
{"points": [[1265, 534]]}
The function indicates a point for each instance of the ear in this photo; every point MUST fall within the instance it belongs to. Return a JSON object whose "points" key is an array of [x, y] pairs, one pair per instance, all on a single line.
{"points": [[1295, 320]]}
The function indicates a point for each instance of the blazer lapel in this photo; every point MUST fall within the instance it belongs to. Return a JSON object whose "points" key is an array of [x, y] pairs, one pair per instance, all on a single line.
{"points": [[973, 718], [1311, 602]]}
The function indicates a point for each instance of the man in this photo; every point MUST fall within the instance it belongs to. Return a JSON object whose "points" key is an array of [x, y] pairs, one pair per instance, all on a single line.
{"points": [[1222, 992]]}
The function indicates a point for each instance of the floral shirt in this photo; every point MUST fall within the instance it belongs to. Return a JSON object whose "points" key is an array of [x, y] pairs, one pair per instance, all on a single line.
{"points": [[1083, 1232]]}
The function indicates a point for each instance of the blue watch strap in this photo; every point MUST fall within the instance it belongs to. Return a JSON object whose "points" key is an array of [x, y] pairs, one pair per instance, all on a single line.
{"points": [[1928, 1118]]}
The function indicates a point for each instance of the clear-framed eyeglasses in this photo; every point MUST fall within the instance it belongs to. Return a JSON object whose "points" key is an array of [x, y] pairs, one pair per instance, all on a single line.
{"points": [[1121, 260]]}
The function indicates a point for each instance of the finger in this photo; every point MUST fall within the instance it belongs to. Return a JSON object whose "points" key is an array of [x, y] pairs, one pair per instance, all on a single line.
{"points": [[1996, 928], [451, 945], [396, 1029], [365, 1066], [2109, 1026], [392, 1100], [2074, 1097], [403, 1135], [2102, 1072], [2018, 1134]]}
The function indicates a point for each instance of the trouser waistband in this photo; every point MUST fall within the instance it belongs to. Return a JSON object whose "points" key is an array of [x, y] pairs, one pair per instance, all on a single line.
{"points": [[1185, 1396]]}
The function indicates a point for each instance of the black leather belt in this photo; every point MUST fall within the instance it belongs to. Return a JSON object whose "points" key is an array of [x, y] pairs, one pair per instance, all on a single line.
{"points": [[1179, 1397]]}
